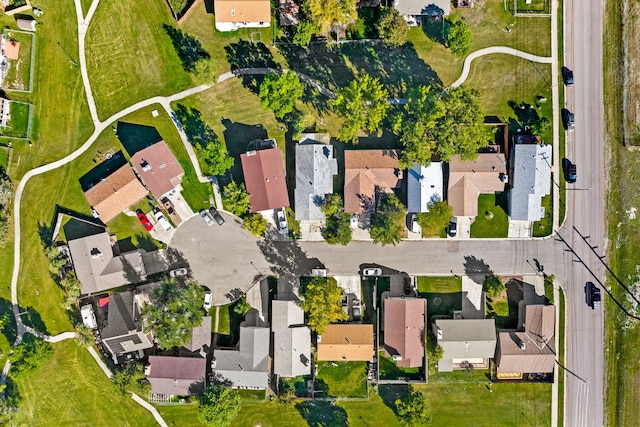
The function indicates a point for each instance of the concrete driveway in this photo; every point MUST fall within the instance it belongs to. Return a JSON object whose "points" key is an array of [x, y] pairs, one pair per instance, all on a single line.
{"points": [[226, 258]]}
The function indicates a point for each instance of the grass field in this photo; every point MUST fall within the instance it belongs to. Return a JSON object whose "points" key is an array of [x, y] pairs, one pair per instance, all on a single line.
{"points": [[498, 225], [18, 123], [348, 379], [19, 73], [70, 389]]}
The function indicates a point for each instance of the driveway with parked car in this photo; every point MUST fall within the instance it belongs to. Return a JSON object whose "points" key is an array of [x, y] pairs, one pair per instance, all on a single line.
{"points": [[222, 258]]}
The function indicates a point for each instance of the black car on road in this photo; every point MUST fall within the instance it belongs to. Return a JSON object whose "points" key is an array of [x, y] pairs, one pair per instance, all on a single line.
{"points": [[593, 296], [567, 76]]}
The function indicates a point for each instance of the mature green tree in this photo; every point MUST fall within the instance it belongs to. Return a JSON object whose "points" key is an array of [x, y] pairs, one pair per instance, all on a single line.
{"points": [[548, 287], [255, 223], [175, 310], [279, 93], [540, 126], [457, 37], [337, 229], [71, 287], [235, 198], [242, 307], [387, 223], [327, 14], [6, 194], [303, 32], [205, 70], [131, 378], [436, 219], [218, 406], [56, 261], [434, 350], [332, 204], [412, 410], [27, 356], [322, 301], [493, 286], [392, 28], [214, 158], [363, 105]]}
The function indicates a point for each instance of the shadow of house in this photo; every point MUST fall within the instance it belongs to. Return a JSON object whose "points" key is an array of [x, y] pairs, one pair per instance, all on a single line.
{"points": [[135, 137], [106, 168], [320, 414]]}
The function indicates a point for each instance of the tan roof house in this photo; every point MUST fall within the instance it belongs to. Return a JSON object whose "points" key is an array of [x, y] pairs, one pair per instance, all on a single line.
{"points": [[158, 168], [234, 14], [368, 173], [115, 193], [404, 330], [264, 179], [346, 343], [468, 179], [531, 351]]}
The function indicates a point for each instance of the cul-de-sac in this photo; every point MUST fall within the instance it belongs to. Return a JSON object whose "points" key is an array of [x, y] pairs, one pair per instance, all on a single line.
{"points": [[319, 213]]}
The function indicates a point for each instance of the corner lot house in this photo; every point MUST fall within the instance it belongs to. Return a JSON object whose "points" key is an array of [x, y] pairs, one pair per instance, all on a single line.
{"points": [[247, 366], [466, 342], [530, 181], [159, 169], [291, 340], [404, 330], [424, 185], [531, 351], [175, 376], [468, 179], [124, 331], [346, 343], [367, 174], [115, 193], [315, 169], [264, 179], [235, 14]]}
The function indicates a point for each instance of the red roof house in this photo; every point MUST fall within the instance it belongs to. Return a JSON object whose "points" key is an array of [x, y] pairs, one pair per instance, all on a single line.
{"points": [[264, 179], [404, 330], [158, 168]]}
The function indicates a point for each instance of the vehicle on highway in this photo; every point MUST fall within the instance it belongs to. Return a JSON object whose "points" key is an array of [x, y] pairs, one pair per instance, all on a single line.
{"points": [[281, 218], [592, 293], [568, 120], [207, 300], [370, 272], [567, 76], [216, 215], [452, 229], [178, 272], [144, 220], [207, 218]]}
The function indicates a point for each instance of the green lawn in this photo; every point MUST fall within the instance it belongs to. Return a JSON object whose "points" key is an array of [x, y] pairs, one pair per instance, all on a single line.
{"points": [[70, 389], [224, 326], [443, 294], [544, 227], [498, 226], [348, 379], [470, 376], [19, 73], [504, 310], [4, 158], [389, 370], [18, 123], [430, 284]]}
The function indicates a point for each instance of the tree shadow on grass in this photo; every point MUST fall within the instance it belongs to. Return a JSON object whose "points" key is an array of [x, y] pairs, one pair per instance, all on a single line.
{"points": [[391, 393], [32, 318], [188, 48], [237, 136], [322, 414], [10, 329], [194, 126], [245, 54]]}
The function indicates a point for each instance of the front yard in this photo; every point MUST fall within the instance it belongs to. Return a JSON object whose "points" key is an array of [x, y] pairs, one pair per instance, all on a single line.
{"points": [[492, 220], [443, 294]]}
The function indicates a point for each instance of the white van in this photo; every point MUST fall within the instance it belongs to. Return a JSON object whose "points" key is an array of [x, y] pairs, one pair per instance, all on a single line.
{"points": [[88, 316], [162, 221]]}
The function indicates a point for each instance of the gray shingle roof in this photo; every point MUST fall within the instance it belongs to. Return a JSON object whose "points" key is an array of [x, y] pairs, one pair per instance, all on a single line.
{"points": [[424, 185], [247, 366], [464, 339], [123, 332], [530, 181], [178, 376], [200, 336], [291, 340], [315, 169], [423, 7]]}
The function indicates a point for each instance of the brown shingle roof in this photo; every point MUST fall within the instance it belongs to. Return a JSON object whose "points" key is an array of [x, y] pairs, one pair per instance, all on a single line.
{"points": [[540, 323], [467, 179], [349, 342], [511, 358], [368, 172], [115, 193], [158, 168], [264, 179], [404, 330], [178, 376], [242, 10]]}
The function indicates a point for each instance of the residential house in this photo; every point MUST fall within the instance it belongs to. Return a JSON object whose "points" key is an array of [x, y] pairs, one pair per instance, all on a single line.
{"points": [[175, 376], [369, 173], [291, 340], [466, 342], [315, 169], [159, 169], [200, 340], [530, 181], [531, 351], [424, 186], [124, 332], [247, 366], [232, 15], [99, 265], [486, 174], [346, 343], [264, 179], [404, 331], [414, 10], [115, 193]]}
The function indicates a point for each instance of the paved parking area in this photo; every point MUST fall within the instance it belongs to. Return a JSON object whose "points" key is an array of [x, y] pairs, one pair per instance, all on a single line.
{"points": [[182, 207], [223, 258]]}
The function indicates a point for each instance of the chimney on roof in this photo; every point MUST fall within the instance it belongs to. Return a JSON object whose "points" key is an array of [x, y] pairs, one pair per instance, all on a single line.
{"points": [[523, 345], [146, 167]]}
